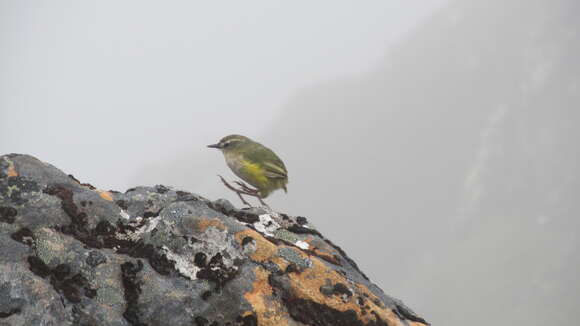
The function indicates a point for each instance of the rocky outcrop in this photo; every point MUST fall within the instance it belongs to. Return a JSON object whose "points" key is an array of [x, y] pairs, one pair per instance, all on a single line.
{"points": [[71, 254]]}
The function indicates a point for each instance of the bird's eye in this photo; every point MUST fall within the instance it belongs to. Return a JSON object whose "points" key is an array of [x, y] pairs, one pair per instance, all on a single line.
{"points": [[226, 144]]}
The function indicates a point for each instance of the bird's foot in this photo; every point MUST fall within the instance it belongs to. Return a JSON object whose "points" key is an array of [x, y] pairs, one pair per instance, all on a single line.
{"points": [[246, 190], [263, 202], [243, 200], [255, 192]]}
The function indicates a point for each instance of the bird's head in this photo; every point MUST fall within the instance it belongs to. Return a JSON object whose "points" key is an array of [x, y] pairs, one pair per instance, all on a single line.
{"points": [[232, 143]]}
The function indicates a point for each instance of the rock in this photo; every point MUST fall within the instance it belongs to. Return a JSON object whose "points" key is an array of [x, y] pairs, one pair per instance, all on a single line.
{"points": [[71, 254]]}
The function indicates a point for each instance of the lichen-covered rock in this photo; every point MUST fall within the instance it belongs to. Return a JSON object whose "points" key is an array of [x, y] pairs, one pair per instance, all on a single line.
{"points": [[71, 254]]}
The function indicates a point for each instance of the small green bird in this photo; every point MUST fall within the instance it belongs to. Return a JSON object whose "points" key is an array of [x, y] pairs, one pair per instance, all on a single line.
{"points": [[254, 163]]}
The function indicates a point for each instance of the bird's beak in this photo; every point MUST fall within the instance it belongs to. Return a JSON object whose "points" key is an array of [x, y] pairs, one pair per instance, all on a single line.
{"points": [[214, 146]]}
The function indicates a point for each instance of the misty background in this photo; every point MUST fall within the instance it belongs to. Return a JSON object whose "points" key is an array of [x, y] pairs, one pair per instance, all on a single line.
{"points": [[435, 141]]}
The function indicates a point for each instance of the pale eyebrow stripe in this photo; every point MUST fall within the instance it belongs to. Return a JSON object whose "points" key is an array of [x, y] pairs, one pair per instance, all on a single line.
{"points": [[232, 140]]}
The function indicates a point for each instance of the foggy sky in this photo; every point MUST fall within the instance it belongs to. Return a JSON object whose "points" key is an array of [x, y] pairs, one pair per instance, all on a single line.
{"points": [[451, 169], [103, 89], [435, 142]]}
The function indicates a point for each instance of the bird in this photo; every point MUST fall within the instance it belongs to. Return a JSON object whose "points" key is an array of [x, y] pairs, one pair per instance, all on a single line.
{"points": [[254, 163]]}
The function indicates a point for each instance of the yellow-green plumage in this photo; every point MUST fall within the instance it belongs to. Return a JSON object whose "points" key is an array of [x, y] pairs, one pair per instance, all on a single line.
{"points": [[254, 163]]}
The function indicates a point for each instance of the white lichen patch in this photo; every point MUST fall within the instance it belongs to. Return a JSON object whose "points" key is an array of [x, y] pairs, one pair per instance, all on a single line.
{"points": [[138, 197], [266, 225], [151, 225], [182, 265], [214, 241], [137, 234], [124, 214], [302, 244]]}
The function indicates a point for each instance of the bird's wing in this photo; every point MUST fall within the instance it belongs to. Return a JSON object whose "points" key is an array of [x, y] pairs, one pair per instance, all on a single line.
{"points": [[269, 161], [274, 170]]}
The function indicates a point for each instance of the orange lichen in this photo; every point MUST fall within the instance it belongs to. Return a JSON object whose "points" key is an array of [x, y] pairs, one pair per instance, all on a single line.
{"points": [[325, 253], [414, 323], [326, 256], [384, 313], [205, 223], [265, 250], [269, 311], [105, 195], [11, 172], [306, 285]]}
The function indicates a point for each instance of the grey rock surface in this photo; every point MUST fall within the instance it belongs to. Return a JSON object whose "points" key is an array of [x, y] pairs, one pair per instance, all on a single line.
{"points": [[71, 254]]}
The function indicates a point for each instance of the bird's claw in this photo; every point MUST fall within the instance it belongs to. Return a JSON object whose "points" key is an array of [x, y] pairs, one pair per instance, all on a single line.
{"points": [[245, 189]]}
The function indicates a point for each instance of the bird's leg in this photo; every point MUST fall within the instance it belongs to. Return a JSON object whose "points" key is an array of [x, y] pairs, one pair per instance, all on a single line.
{"points": [[255, 192], [243, 200], [261, 201], [246, 188], [232, 188], [237, 191]]}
